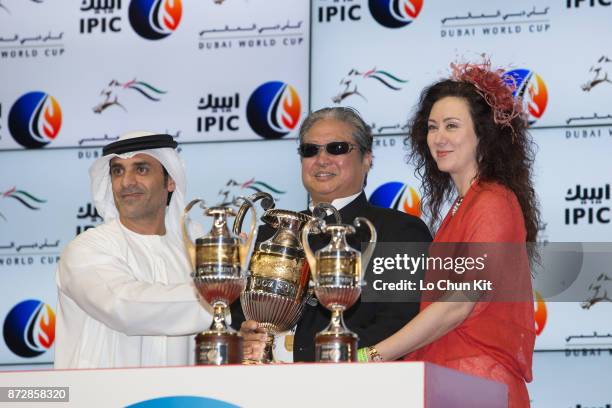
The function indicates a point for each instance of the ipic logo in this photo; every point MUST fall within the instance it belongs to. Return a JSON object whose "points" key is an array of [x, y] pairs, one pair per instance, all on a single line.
{"points": [[395, 13], [587, 215], [155, 19], [35, 119], [29, 328], [274, 109], [101, 18], [587, 3], [588, 205], [531, 89], [218, 113], [346, 10], [398, 196]]}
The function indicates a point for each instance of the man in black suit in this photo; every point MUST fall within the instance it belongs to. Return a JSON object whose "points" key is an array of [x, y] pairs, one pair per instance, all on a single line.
{"points": [[336, 155]]}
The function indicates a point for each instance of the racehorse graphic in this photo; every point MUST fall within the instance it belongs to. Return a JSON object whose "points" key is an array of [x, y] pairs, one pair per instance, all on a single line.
{"points": [[115, 89], [233, 189], [3, 7], [601, 73], [356, 80], [599, 287], [26, 199]]}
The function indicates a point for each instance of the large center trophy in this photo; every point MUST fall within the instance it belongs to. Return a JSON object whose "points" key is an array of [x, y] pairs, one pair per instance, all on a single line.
{"points": [[219, 262], [338, 276], [277, 283]]}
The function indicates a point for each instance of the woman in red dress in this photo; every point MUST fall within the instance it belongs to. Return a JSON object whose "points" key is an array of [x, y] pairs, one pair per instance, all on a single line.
{"points": [[469, 139]]}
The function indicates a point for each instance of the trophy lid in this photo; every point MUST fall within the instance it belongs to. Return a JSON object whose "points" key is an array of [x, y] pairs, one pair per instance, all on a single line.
{"points": [[274, 216], [338, 246], [219, 230], [220, 210], [339, 228]]}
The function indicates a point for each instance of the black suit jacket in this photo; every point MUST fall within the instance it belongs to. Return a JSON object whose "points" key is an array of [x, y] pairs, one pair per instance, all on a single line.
{"points": [[372, 321]]}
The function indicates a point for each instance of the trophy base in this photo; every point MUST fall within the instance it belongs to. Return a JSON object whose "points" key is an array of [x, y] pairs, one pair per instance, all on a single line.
{"points": [[218, 348], [336, 347]]}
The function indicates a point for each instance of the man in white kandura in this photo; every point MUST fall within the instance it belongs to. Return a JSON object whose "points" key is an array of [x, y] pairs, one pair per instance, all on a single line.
{"points": [[125, 295]]}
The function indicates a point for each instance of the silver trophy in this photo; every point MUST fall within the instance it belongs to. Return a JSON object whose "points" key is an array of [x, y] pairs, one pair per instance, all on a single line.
{"points": [[219, 262], [278, 278], [337, 273]]}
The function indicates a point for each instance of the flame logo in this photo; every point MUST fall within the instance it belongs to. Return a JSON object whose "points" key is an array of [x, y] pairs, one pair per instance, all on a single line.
{"points": [[531, 89], [35, 119], [46, 327], [155, 19], [170, 14], [390, 195], [29, 328], [395, 13], [539, 313], [406, 10], [274, 109], [289, 113], [51, 121], [413, 206], [538, 97]]}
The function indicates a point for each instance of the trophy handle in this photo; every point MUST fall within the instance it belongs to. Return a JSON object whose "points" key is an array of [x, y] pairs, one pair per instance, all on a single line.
{"points": [[367, 253], [246, 246], [320, 211], [189, 246], [310, 257], [266, 203]]}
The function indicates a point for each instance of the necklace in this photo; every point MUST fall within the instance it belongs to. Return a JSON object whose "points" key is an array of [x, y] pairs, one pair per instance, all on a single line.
{"points": [[456, 206]]}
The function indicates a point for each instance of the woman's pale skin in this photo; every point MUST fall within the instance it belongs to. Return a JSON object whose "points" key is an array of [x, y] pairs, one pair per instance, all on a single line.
{"points": [[452, 142]]}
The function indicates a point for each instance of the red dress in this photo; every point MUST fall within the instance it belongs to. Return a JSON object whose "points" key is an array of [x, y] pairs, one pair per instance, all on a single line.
{"points": [[496, 340]]}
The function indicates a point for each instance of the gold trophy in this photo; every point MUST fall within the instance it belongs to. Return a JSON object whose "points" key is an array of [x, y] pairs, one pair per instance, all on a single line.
{"points": [[277, 282], [338, 276], [219, 262]]}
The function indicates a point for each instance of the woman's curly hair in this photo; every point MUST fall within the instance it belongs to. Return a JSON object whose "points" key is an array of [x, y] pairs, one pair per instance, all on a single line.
{"points": [[505, 151]]}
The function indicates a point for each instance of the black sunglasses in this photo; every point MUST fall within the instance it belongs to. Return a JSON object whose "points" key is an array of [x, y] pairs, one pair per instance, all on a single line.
{"points": [[333, 148]]}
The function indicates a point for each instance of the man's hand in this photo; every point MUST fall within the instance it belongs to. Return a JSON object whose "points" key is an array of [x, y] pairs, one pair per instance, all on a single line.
{"points": [[254, 339]]}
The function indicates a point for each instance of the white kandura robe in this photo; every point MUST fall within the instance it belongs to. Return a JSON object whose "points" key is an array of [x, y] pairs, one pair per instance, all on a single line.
{"points": [[125, 300]]}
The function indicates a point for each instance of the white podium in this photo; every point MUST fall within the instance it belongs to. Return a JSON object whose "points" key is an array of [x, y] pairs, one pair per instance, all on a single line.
{"points": [[398, 384]]}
